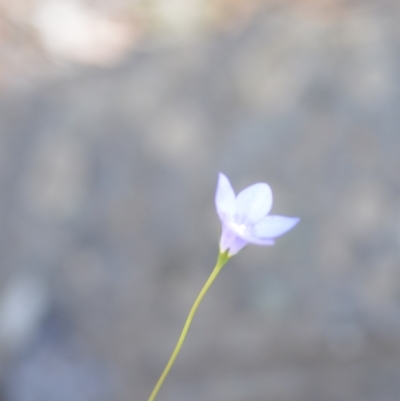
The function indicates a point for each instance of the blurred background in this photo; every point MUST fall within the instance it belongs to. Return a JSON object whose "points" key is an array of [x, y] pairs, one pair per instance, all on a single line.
{"points": [[115, 119]]}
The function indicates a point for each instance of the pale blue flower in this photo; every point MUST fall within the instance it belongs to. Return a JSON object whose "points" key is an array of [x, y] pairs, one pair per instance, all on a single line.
{"points": [[245, 218]]}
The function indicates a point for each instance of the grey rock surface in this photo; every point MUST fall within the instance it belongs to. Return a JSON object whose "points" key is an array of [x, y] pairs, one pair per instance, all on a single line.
{"points": [[107, 184]]}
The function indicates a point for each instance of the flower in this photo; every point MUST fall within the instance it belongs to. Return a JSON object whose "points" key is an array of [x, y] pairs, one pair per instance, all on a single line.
{"points": [[245, 218]]}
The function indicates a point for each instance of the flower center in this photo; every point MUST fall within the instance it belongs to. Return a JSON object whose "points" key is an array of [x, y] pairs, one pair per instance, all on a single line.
{"points": [[239, 228]]}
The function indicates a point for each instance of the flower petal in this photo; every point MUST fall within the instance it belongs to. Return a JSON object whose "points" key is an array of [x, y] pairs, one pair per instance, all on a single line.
{"points": [[229, 240], [252, 239], [224, 198], [274, 226], [253, 203]]}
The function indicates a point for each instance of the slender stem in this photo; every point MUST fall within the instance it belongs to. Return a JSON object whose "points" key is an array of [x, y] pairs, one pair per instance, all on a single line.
{"points": [[222, 259]]}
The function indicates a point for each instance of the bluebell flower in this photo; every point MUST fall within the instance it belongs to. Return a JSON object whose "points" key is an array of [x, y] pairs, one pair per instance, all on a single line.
{"points": [[245, 219]]}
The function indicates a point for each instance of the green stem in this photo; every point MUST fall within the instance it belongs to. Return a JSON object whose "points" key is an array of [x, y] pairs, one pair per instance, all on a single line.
{"points": [[222, 259]]}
